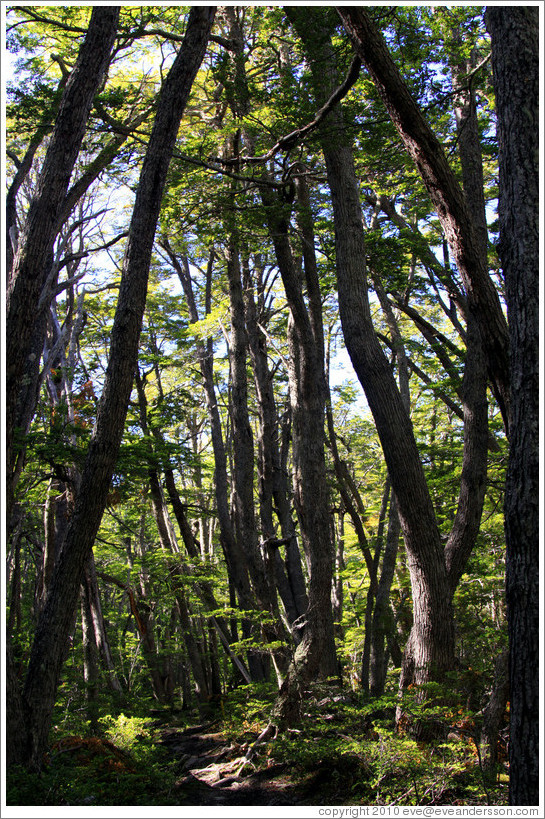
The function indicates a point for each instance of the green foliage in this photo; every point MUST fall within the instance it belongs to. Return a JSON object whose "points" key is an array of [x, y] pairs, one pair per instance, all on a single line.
{"points": [[346, 749], [125, 731]]}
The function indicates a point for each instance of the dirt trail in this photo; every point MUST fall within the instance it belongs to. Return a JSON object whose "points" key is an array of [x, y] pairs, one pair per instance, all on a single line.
{"points": [[212, 772]]}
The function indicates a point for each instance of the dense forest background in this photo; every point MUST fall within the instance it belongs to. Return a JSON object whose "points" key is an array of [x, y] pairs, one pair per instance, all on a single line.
{"points": [[262, 400]]}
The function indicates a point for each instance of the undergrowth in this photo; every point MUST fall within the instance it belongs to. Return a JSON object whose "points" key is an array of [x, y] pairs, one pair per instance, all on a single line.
{"points": [[345, 751]]}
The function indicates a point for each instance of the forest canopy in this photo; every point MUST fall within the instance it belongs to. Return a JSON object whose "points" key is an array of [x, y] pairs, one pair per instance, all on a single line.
{"points": [[262, 396]]}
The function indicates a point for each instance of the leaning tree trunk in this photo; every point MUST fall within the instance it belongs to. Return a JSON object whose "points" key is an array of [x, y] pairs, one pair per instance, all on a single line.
{"points": [[445, 193], [30, 266], [432, 637], [54, 625], [515, 62]]}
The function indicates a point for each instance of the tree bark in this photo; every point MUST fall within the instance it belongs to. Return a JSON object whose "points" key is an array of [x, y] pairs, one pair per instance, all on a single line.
{"points": [[53, 628], [515, 62], [30, 266]]}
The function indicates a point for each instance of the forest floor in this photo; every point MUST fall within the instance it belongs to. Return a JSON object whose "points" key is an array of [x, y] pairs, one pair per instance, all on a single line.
{"points": [[344, 752], [215, 772]]}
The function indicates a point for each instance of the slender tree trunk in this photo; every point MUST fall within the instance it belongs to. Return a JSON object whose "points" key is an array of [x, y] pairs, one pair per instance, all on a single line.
{"points": [[271, 481], [243, 458], [469, 149], [90, 660], [169, 545], [55, 622], [371, 592], [494, 712], [433, 631], [338, 590], [234, 556], [13, 625], [203, 588], [196, 658], [430, 649], [315, 655], [93, 599], [383, 621], [515, 63]]}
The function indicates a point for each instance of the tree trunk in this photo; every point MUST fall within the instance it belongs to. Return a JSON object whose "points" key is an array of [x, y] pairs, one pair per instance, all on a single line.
{"points": [[272, 484], [432, 636], [372, 590], [494, 712], [95, 608], [243, 460], [469, 148], [169, 544], [430, 649], [445, 194], [13, 624], [90, 660], [237, 568], [203, 587], [383, 621], [55, 622], [30, 267], [515, 63], [315, 655]]}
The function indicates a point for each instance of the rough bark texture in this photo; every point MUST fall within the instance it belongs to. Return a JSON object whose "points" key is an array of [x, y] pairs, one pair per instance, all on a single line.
{"points": [[47, 651], [515, 62], [445, 194], [30, 266]]}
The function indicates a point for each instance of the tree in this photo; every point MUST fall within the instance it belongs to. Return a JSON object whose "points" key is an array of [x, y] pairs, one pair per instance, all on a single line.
{"points": [[290, 216], [445, 194], [33, 256], [435, 568], [44, 667], [515, 59]]}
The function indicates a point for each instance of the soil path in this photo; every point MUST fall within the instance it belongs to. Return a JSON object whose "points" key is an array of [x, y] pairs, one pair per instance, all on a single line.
{"points": [[212, 772]]}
